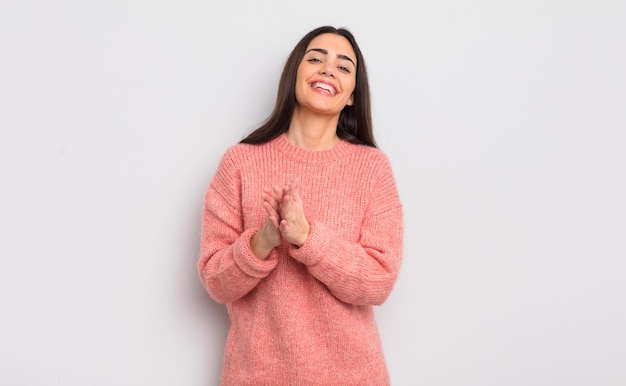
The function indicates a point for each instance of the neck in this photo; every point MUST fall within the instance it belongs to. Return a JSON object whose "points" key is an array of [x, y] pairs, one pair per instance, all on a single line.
{"points": [[313, 132]]}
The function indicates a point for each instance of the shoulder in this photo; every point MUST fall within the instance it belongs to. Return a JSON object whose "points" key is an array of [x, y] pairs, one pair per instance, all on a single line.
{"points": [[367, 151], [371, 157], [243, 153], [239, 150]]}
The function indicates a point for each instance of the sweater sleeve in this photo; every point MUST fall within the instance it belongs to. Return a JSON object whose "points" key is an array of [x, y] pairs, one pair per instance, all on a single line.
{"points": [[227, 266], [363, 272]]}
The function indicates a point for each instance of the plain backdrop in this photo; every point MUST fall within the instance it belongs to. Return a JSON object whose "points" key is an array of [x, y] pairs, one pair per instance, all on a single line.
{"points": [[505, 122]]}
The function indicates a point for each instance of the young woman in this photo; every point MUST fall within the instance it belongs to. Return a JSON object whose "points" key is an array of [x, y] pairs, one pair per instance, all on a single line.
{"points": [[302, 229]]}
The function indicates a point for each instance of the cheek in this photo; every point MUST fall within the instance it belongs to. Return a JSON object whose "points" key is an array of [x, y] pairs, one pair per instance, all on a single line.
{"points": [[350, 86], [300, 91], [301, 78], [301, 85]]}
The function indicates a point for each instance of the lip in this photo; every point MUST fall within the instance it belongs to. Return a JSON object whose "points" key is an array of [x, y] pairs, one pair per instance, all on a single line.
{"points": [[326, 92]]}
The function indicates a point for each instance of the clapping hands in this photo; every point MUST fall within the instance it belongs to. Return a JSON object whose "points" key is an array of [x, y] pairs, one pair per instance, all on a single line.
{"points": [[285, 219]]}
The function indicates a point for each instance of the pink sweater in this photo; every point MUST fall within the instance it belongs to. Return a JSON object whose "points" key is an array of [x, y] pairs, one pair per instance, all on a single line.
{"points": [[304, 316]]}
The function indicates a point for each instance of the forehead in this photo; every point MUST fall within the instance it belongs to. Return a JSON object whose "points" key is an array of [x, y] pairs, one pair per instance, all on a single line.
{"points": [[334, 44]]}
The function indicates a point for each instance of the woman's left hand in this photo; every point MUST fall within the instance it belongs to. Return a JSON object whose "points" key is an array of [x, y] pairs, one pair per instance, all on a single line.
{"points": [[293, 225]]}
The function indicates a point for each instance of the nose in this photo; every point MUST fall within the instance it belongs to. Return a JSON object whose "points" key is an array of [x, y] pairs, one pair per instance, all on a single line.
{"points": [[328, 71]]}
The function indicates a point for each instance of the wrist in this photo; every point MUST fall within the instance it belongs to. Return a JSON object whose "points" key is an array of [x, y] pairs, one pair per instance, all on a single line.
{"points": [[260, 247], [305, 236]]}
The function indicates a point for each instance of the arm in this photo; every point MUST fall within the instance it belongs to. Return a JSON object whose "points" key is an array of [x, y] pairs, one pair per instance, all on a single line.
{"points": [[228, 267]]}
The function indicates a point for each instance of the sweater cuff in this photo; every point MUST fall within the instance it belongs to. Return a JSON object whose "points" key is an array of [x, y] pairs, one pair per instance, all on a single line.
{"points": [[248, 261], [315, 246]]}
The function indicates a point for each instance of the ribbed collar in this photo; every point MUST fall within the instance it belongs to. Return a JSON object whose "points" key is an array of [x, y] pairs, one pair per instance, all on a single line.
{"points": [[298, 154]]}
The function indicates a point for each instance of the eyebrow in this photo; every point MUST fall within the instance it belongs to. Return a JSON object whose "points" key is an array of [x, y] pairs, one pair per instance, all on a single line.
{"points": [[325, 52]]}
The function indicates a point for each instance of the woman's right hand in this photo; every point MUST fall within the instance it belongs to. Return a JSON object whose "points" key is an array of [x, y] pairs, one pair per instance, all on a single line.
{"points": [[269, 235]]}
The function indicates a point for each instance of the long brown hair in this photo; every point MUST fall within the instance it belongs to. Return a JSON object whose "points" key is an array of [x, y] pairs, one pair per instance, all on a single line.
{"points": [[355, 122]]}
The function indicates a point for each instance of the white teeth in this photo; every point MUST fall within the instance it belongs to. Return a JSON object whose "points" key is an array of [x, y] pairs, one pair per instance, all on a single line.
{"points": [[324, 86]]}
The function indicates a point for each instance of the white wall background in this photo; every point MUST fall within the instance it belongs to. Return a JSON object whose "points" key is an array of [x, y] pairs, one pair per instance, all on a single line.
{"points": [[505, 123]]}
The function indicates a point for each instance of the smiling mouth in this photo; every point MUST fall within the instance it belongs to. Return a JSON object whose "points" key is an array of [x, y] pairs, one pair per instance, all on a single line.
{"points": [[326, 87]]}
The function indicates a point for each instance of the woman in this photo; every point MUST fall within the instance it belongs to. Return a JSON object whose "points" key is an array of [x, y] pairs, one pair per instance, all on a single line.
{"points": [[302, 229]]}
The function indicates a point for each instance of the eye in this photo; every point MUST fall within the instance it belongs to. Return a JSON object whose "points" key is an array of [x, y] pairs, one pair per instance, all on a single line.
{"points": [[314, 60], [344, 69]]}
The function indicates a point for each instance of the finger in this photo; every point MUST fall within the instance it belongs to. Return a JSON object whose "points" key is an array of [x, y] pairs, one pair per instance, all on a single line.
{"points": [[270, 200], [271, 210], [277, 192], [285, 204], [272, 222], [295, 193], [294, 189], [271, 192]]}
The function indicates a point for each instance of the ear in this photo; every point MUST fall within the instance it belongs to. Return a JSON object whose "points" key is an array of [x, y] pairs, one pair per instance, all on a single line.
{"points": [[350, 101]]}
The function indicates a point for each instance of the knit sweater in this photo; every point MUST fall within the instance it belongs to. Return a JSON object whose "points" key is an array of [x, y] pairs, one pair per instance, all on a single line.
{"points": [[304, 315]]}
